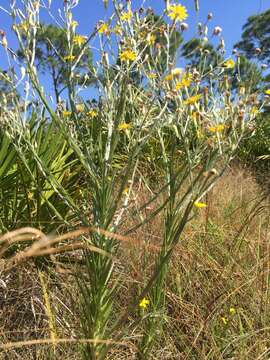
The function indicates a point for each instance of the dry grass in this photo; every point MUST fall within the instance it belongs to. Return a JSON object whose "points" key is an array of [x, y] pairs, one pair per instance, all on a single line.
{"points": [[222, 263]]}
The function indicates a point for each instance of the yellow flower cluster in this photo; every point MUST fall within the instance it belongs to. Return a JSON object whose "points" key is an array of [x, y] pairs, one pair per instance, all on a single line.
{"points": [[267, 92]]}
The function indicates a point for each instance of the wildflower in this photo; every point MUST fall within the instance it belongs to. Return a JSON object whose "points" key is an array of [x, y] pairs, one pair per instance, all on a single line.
{"points": [[104, 29], [69, 58], [177, 12], [24, 26], [126, 16], [224, 320], [192, 99], [74, 24], [229, 64], [127, 55], [151, 39], [125, 191], [124, 126], [66, 113], [254, 110], [92, 113], [267, 92], [232, 311], [152, 76], [217, 128], [80, 107], [79, 40], [173, 73], [144, 303], [200, 205], [185, 81]]}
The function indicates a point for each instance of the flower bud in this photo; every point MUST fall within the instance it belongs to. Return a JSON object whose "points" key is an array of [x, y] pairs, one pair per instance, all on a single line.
{"points": [[210, 16], [184, 26], [217, 30]]}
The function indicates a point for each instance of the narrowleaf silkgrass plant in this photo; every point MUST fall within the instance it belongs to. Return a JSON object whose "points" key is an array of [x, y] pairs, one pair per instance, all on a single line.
{"points": [[193, 121]]}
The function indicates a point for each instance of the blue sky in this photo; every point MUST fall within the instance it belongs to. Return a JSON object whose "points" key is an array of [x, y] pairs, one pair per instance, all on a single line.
{"points": [[230, 15]]}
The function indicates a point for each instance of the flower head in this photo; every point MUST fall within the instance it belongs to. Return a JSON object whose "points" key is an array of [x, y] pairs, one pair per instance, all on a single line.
{"points": [[126, 16], [79, 40], [229, 64], [66, 113], [92, 113], [174, 72], [124, 126], [127, 55], [217, 128], [267, 92], [192, 99], [177, 12], [224, 320], [200, 205], [185, 81], [144, 303], [232, 311], [103, 29], [80, 107], [69, 58]]}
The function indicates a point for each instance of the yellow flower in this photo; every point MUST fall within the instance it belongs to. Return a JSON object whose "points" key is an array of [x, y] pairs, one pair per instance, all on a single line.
{"points": [[229, 64], [66, 113], [24, 26], [254, 110], [79, 40], [104, 29], [126, 16], [92, 113], [267, 92], [127, 55], [232, 311], [224, 320], [80, 107], [151, 38], [192, 99], [144, 303], [184, 82], [124, 126], [69, 58], [200, 205], [217, 128], [177, 12], [125, 191], [174, 72], [152, 76], [74, 24]]}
